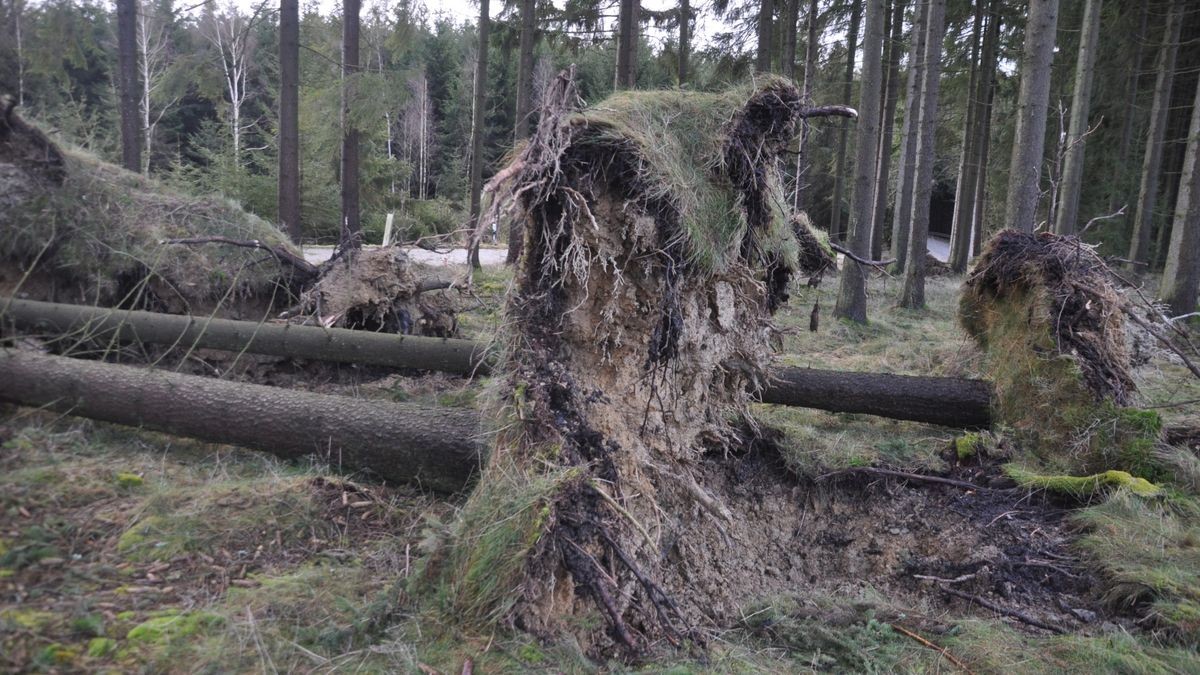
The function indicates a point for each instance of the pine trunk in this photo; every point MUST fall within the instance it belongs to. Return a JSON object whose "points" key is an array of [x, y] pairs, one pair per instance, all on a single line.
{"points": [[1143, 219], [887, 128], [351, 236], [839, 170], [811, 51], [1181, 276], [436, 448], [964, 191], [626, 76], [479, 100], [1025, 169], [685, 18], [127, 84], [1119, 196], [852, 291], [983, 128], [1066, 220], [766, 30], [914, 276], [289, 119], [524, 121], [902, 211]]}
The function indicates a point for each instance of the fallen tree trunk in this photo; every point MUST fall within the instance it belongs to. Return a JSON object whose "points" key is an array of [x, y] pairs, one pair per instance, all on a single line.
{"points": [[436, 448], [450, 355], [948, 401]]}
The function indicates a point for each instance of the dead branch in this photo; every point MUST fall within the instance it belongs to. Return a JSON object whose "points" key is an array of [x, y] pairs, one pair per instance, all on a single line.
{"points": [[284, 256], [907, 476], [1166, 341], [1115, 214], [937, 648], [878, 264], [1016, 614], [828, 111]]}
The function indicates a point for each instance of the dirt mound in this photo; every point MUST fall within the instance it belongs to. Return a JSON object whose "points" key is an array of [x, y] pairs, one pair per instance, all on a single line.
{"points": [[77, 229]]}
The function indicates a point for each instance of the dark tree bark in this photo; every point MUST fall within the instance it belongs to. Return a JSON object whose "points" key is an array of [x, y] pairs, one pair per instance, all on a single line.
{"points": [[685, 46], [1072, 179], [983, 139], [1119, 196], [810, 75], [790, 20], [524, 117], [948, 401], [1143, 219], [1025, 169], [839, 170], [351, 236], [436, 448], [477, 121], [964, 191], [100, 325], [289, 116], [887, 127], [1181, 275], [913, 296], [766, 33], [127, 85], [902, 210], [852, 289], [627, 37]]}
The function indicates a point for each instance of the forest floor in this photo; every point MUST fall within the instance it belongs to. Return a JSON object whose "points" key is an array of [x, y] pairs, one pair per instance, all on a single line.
{"points": [[125, 550]]}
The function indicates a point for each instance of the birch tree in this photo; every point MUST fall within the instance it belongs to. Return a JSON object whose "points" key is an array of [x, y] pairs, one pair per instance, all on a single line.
{"points": [[154, 61], [231, 34]]}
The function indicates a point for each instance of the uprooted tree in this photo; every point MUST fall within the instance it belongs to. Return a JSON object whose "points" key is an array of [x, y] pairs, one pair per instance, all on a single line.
{"points": [[656, 250]]}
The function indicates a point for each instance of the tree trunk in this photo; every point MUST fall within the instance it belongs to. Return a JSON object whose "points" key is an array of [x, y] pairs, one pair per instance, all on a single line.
{"points": [[811, 50], [948, 401], [626, 76], [127, 84], [436, 448], [1119, 196], [766, 30], [964, 191], [914, 275], [983, 129], [1143, 219], [791, 17], [289, 119], [477, 122], [351, 234], [852, 290], [1072, 178], [902, 210], [1181, 276], [892, 89], [1025, 169], [98, 325], [685, 18], [839, 170], [524, 122], [897, 396]]}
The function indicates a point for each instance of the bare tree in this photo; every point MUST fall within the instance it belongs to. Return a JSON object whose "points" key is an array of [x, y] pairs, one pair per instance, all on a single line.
{"points": [[288, 193], [1143, 218], [1025, 169], [1072, 178], [127, 84], [811, 51], [891, 94], [1181, 275], [418, 131], [351, 234], [839, 170], [913, 296], [852, 291], [477, 118], [232, 35], [154, 59], [902, 211]]}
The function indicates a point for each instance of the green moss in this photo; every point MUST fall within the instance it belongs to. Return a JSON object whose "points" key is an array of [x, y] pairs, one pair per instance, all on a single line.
{"points": [[1084, 486], [56, 654], [171, 625], [28, 619], [968, 445], [101, 647], [88, 625], [128, 480]]}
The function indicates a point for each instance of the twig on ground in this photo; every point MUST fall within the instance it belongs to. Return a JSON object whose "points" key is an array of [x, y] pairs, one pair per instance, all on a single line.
{"points": [[935, 647], [1018, 615], [908, 476]]}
